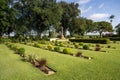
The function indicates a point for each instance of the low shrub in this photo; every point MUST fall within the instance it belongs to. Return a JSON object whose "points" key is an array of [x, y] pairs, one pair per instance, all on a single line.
{"points": [[97, 49], [52, 42], [71, 54], [42, 42], [97, 45], [21, 51], [57, 49], [67, 50], [62, 44], [14, 47], [25, 42], [74, 43], [86, 47], [10, 45], [81, 43], [36, 45], [4, 40], [108, 46], [50, 47], [76, 46], [79, 54], [31, 58], [42, 62], [56, 43]]}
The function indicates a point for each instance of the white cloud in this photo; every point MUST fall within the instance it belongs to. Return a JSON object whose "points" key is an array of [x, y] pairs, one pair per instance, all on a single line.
{"points": [[83, 1], [98, 16], [86, 10], [101, 6]]}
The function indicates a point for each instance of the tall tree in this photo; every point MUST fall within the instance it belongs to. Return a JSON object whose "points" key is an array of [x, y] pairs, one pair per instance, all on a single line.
{"points": [[89, 25], [102, 27], [4, 16], [77, 27], [47, 15], [11, 17], [111, 18], [38, 15], [70, 11]]}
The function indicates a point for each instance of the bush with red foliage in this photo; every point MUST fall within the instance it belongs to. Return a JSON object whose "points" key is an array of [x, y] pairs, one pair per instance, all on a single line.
{"points": [[79, 54], [97, 45], [97, 49], [41, 62], [108, 46]]}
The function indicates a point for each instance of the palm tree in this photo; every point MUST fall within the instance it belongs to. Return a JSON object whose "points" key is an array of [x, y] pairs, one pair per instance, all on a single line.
{"points": [[111, 18]]}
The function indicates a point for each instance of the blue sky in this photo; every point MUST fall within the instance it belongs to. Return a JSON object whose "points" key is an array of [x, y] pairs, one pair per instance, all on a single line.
{"points": [[99, 10]]}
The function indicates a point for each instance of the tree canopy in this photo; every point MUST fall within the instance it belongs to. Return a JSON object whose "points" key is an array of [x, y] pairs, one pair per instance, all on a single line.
{"points": [[40, 16], [102, 27]]}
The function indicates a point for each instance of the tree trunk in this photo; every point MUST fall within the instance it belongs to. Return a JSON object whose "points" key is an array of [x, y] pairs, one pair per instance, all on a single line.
{"points": [[100, 34], [39, 34], [0, 35]]}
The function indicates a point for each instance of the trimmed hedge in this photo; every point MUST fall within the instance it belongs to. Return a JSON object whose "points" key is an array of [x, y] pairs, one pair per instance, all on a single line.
{"points": [[98, 40], [114, 38]]}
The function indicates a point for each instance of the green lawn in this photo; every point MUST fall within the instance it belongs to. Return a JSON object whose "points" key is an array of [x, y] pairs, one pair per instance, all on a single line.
{"points": [[103, 66]]}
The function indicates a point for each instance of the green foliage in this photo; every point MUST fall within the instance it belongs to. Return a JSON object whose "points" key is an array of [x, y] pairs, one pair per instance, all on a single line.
{"points": [[14, 47], [67, 50], [57, 43], [76, 45], [21, 51], [81, 43], [55, 61], [70, 11], [9, 45], [42, 42], [86, 47], [102, 26], [114, 38], [62, 44], [96, 40], [79, 54], [31, 58], [50, 47], [37, 45], [4, 40], [80, 27], [57, 49]]}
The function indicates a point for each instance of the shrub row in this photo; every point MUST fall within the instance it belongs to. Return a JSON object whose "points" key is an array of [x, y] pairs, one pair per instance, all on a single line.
{"points": [[20, 51], [114, 38], [4, 40], [99, 40]]}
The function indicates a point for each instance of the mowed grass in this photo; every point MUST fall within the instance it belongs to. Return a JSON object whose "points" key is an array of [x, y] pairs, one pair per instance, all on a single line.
{"points": [[103, 66]]}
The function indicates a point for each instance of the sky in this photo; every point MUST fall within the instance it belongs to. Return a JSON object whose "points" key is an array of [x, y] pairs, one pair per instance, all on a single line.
{"points": [[99, 10]]}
